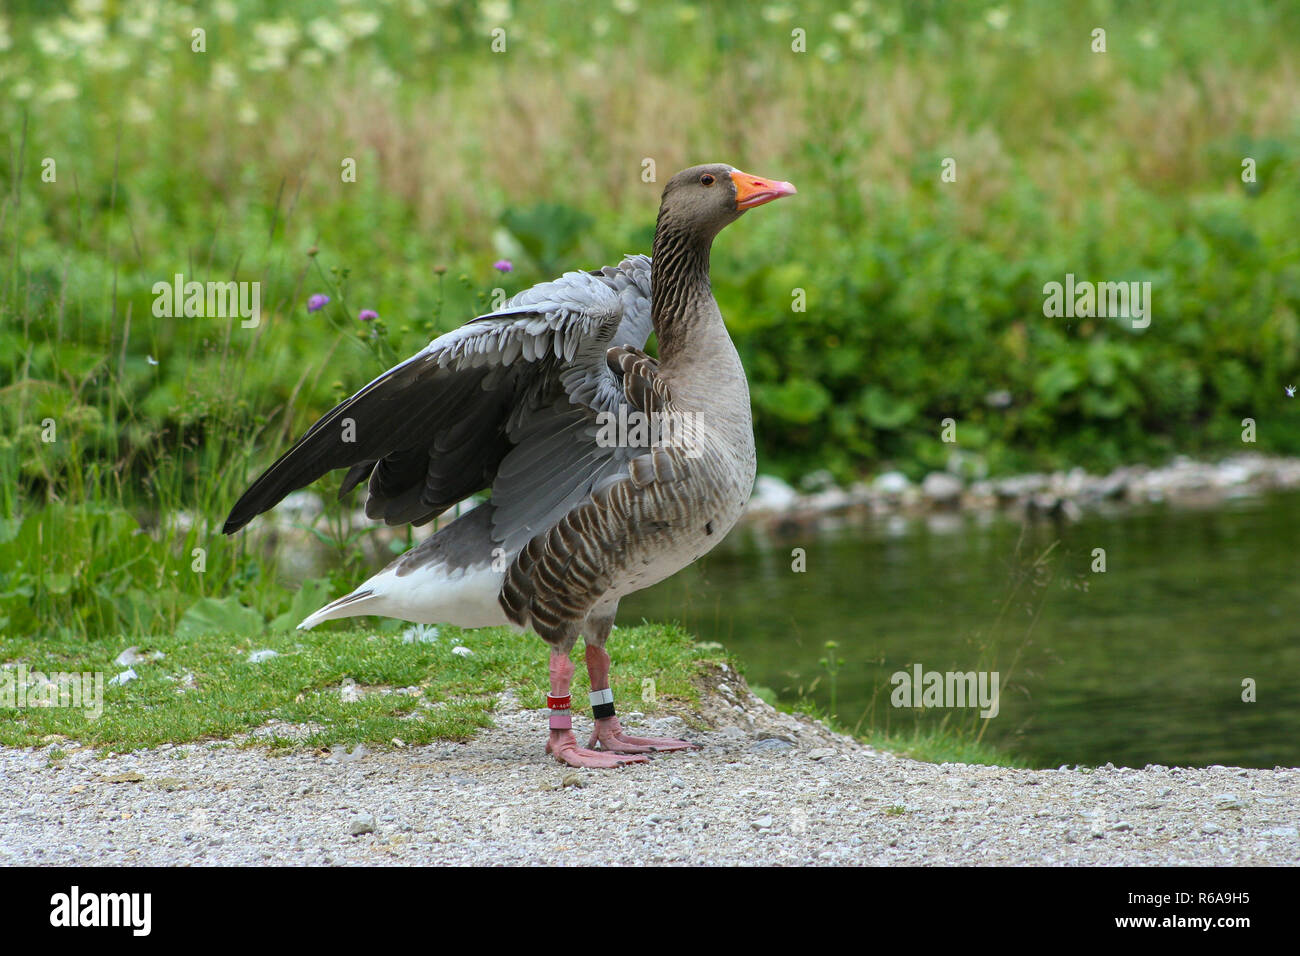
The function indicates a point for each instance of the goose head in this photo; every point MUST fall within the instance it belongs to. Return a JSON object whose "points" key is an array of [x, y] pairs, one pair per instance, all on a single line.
{"points": [[703, 200]]}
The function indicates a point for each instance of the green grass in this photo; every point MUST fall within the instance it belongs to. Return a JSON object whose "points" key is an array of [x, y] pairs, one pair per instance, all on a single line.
{"points": [[942, 746], [417, 692], [953, 742], [205, 688]]}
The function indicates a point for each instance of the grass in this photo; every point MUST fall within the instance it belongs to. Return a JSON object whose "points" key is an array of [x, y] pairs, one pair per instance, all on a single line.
{"points": [[407, 688], [942, 746], [949, 742], [409, 685]]}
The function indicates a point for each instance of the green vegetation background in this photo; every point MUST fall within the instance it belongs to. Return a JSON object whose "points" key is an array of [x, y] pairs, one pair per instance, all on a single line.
{"points": [[923, 298]]}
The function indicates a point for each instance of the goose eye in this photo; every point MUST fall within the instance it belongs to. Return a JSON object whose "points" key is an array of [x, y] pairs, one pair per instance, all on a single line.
{"points": [[707, 179]]}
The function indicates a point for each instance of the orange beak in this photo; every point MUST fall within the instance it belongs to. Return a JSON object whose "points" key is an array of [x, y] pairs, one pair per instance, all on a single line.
{"points": [[753, 191]]}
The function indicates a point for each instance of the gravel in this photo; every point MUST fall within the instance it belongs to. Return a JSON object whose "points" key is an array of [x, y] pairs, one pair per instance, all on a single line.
{"points": [[497, 799]]}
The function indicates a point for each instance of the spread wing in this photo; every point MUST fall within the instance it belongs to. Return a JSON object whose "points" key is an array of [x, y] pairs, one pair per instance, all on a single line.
{"points": [[508, 401]]}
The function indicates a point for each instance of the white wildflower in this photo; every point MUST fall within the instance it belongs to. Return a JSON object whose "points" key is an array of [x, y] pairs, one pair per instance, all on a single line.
{"points": [[360, 23], [58, 92], [50, 44], [102, 59], [224, 76], [494, 11], [137, 27], [327, 35], [276, 34], [83, 32], [137, 111]]}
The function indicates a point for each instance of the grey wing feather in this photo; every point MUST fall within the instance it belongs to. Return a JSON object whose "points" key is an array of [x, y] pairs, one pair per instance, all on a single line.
{"points": [[556, 462], [440, 426]]}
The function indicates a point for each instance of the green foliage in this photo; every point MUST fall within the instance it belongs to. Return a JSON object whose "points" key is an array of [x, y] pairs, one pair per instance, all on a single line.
{"points": [[548, 232], [219, 616]]}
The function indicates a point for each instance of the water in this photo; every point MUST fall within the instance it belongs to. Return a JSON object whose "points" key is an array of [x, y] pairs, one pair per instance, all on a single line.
{"points": [[1143, 663]]}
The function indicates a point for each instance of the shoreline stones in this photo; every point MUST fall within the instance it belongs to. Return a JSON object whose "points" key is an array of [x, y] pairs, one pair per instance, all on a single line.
{"points": [[1061, 495]]}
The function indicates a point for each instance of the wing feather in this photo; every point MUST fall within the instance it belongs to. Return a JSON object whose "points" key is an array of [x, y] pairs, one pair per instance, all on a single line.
{"points": [[438, 427]]}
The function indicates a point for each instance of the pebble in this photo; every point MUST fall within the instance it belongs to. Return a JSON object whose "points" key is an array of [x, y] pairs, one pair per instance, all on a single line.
{"points": [[890, 484], [942, 488]]}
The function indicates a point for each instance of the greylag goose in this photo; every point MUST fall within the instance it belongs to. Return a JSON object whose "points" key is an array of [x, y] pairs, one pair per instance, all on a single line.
{"points": [[609, 470]]}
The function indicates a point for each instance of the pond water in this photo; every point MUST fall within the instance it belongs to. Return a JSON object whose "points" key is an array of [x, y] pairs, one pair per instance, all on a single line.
{"points": [[1142, 663]]}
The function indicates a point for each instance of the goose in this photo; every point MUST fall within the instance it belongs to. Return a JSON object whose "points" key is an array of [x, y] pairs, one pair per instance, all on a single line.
{"points": [[608, 469]]}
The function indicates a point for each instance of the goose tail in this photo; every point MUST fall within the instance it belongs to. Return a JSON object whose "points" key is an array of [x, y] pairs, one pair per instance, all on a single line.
{"points": [[359, 602]]}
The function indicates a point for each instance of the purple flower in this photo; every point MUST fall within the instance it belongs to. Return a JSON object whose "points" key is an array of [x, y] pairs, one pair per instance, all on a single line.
{"points": [[317, 302], [368, 315], [502, 265]]}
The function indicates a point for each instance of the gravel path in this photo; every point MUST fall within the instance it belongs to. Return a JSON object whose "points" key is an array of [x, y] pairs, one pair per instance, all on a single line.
{"points": [[766, 788]]}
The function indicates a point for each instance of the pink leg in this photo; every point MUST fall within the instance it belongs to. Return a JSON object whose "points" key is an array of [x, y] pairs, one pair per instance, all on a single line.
{"points": [[562, 744], [609, 732]]}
